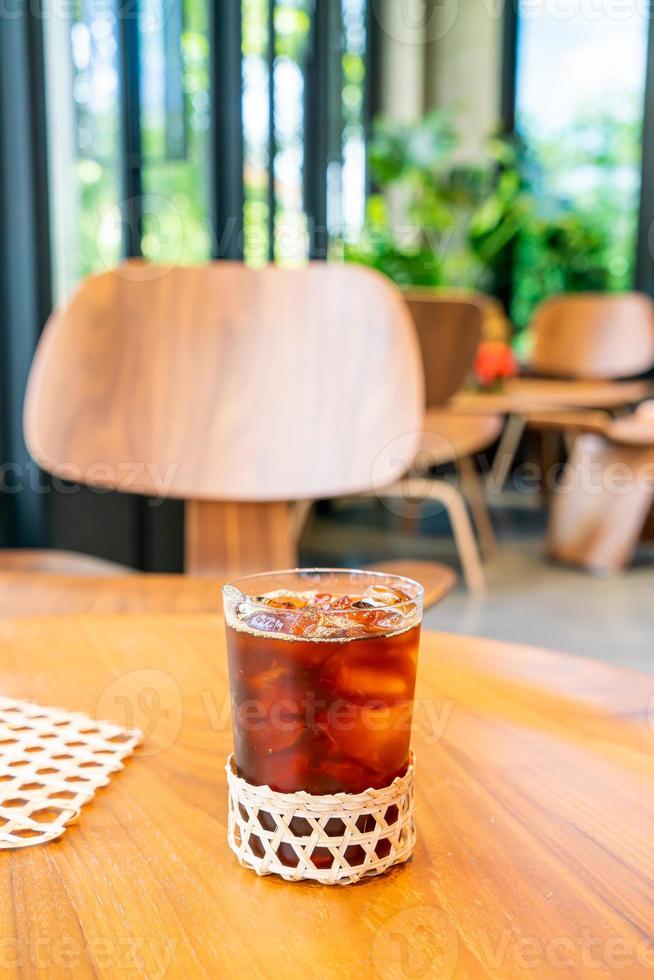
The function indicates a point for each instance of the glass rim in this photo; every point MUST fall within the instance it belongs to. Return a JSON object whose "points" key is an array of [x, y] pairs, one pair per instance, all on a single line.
{"points": [[233, 593]]}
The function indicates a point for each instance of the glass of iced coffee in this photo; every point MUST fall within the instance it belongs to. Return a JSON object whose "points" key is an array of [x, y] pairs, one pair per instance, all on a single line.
{"points": [[322, 666], [322, 670]]}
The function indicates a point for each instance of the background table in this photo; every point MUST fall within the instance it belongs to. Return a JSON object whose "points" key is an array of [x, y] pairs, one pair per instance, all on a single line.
{"points": [[28, 593], [526, 394], [535, 822]]}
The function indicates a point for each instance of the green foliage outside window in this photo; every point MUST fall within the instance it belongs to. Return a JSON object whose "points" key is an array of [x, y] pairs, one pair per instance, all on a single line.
{"points": [[534, 218]]}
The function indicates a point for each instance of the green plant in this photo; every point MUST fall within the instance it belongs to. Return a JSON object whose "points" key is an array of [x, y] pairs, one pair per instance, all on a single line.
{"points": [[508, 225], [416, 158]]}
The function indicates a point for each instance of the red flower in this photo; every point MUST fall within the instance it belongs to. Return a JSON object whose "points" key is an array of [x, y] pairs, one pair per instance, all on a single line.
{"points": [[495, 362]]}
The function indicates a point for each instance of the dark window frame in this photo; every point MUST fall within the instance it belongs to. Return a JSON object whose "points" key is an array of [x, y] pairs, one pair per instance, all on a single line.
{"points": [[25, 267]]}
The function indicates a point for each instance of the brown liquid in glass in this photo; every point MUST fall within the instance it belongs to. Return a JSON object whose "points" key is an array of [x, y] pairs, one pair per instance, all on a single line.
{"points": [[324, 716]]}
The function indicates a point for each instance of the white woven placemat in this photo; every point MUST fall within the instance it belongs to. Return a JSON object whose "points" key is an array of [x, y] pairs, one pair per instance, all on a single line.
{"points": [[51, 764]]}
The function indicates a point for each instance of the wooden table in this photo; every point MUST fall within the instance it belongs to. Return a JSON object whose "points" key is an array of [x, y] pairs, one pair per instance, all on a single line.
{"points": [[31, 593], [535, 818], [522, 395], [530, 400]]}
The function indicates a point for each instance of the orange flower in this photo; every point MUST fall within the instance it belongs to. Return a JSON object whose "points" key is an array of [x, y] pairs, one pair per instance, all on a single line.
{"points": [[495, 362]]}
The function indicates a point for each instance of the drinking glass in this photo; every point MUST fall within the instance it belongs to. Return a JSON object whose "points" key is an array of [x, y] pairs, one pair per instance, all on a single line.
{"points": [[322, 666]]}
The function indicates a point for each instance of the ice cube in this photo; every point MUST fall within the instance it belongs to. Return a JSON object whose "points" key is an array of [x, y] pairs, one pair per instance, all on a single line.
{"points": [[267, 622], [382, 595], [284, 600], [379, 738], [368, 675]]}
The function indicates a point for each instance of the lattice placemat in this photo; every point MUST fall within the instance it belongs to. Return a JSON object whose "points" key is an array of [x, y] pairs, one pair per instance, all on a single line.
{"points": [[336, 840], [51, 764]]}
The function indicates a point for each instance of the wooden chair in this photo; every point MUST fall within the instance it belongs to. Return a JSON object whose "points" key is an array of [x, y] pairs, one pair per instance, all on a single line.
{"points": [[241, 391], [583, 347], [449, 331], [606, 495]]}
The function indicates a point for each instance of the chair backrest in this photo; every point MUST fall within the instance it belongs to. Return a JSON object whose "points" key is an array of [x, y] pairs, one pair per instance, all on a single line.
{"points": [[449, 331], [221, 382], [593, 336]]}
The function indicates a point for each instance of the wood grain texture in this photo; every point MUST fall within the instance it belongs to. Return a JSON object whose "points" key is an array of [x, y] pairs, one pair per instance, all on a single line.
{"points": [[496, 325], [450, 325], [593, 336], [522, 395], [41, 593], [448, 436], [596, 520], [631, 432], [231, 539], [57, 562], [220, 382], [570, 421], [449, 330], [601, 507], [535, 808]]}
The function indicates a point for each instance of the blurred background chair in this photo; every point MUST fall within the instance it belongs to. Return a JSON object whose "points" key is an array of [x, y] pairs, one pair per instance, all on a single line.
{"points": [[161, 382], [449, 331], [606, 495], [586, 351]]}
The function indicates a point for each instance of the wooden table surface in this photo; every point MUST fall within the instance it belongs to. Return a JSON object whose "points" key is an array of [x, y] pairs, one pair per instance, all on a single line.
{"points": [[31, 593], [521, 395], [535, 814]]}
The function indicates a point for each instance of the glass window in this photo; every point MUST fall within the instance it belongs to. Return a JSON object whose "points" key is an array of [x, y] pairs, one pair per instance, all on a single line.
{"points": [[354, 138], [580, 91], [174, 51], [292, 29], [174, 98], [256, 149], [83, 119]]}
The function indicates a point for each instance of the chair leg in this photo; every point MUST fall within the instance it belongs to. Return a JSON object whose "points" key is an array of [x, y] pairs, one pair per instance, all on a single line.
{"points": [[508, 447], [227, 538], [474, 492], [464, 535], [301, 511], [550, 457]]}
